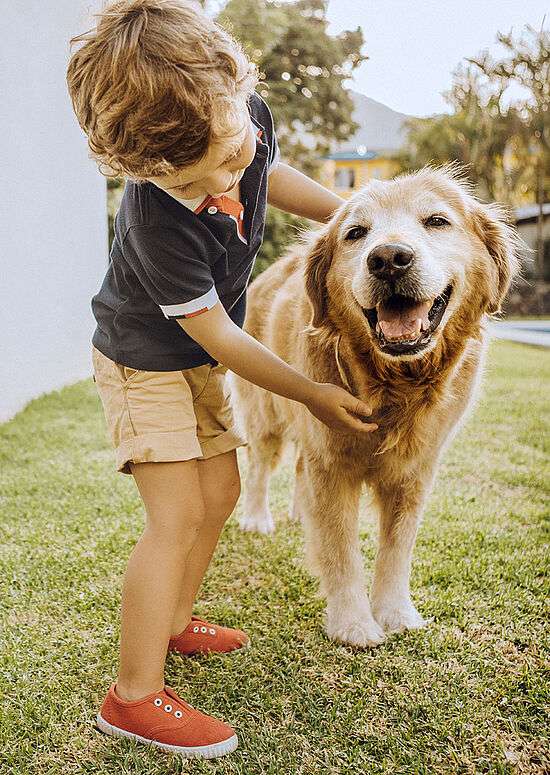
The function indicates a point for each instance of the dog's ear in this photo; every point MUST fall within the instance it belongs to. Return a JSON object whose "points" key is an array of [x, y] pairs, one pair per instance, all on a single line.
{"points": [[503, 244], [318, 261]]}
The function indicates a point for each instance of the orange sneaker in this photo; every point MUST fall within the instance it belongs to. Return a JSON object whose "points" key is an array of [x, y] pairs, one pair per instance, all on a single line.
{"points": [[165, 720], [200, 637]]}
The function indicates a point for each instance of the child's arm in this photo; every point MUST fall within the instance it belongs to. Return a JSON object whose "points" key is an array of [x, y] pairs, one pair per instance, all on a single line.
{"points": [[227, 343], [292, 191]]}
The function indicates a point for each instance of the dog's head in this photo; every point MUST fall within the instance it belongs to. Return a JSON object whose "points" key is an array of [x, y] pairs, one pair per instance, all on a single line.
{"points": [[401, 257]]}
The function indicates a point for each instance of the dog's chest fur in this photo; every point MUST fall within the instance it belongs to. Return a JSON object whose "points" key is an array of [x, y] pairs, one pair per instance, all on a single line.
{"points": [[415, 405]]}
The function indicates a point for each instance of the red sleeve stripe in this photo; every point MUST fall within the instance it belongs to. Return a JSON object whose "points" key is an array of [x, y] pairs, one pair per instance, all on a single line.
{"points": [[198, 312], [192, 307]]}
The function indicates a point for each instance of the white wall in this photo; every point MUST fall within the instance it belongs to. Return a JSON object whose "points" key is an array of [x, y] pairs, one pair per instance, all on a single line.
{"points": [[53, 230]]}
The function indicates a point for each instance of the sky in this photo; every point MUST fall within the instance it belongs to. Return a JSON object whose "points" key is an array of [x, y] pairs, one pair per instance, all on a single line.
{"points": [[414, 45]]}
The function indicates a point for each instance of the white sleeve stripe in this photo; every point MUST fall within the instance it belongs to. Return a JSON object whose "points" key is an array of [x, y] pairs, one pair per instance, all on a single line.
{"points": [[276, 160], [206, 301]]}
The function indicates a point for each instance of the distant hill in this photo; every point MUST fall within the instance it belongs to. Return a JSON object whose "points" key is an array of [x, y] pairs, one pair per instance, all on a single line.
{"points": [[380, 127]]}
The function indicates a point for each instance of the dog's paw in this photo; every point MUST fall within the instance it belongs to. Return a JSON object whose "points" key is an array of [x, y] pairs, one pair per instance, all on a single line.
{"points": [[257, 523], [398, 617], [355, 631]]}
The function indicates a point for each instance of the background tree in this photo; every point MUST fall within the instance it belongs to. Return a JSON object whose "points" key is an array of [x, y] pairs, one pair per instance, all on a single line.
{"points": [[528, 65], [479, 133]]}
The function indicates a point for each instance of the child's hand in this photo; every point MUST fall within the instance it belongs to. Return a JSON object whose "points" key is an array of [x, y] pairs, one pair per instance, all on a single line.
{"points": [[250, 359], [338, 409]]}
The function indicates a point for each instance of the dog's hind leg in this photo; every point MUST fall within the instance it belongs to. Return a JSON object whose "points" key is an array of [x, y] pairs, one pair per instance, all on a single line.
{"points": [[263, 453], [299, 482], [330, 517]]}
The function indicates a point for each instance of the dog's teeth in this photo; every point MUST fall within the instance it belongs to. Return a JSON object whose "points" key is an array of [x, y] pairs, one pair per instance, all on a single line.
{"points": [[378, 327]]}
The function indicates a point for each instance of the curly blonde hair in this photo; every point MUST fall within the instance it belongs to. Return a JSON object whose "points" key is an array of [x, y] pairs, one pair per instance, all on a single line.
{"points": [[154, 84]]}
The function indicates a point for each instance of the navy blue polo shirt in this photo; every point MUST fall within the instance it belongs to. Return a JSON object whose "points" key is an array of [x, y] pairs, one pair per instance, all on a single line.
{"points": [[169, 260]]}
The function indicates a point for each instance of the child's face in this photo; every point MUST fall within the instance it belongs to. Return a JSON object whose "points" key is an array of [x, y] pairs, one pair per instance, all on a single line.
{"points": [[219, 171]]}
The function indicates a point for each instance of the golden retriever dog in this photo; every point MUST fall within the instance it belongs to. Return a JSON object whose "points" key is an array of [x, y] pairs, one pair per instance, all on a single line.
{"points": [[389, 301]]}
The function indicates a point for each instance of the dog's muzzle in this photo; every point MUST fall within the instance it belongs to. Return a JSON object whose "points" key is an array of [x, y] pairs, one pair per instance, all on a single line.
{"points": [[403, 325]]}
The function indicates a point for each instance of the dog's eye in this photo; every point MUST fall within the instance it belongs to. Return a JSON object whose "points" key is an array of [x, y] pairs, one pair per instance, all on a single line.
{"points": [[436, 221], [357, 232]]}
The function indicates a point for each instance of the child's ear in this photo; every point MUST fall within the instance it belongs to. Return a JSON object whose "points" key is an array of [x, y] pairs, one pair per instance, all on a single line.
{"points": [[503, 244], [318, 261]]}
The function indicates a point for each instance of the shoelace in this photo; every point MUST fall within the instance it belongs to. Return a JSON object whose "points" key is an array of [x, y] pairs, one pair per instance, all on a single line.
{"points": [[199, 627], [168, 707]]}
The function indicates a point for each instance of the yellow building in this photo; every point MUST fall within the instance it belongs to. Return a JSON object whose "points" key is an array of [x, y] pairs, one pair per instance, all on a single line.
{"points": [[346, 171]]}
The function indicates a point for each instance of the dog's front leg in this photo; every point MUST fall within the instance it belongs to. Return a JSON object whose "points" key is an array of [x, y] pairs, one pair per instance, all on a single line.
{"points": [[330, 514], [400, 506]]}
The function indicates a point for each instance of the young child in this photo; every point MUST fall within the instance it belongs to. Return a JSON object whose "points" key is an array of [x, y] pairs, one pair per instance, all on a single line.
{"points": [[167, 100]]}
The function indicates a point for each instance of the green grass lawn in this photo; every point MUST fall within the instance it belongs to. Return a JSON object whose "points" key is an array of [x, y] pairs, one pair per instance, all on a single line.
{"points": [[466, 695]]}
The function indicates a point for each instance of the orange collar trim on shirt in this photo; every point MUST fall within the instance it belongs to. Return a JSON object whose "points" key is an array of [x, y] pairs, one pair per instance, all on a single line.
{"points": [[224, 204]]}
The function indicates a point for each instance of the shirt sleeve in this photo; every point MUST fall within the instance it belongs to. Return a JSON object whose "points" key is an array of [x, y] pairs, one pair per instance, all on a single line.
{"points": [[274, 153], [174, 274], [267, 121]]}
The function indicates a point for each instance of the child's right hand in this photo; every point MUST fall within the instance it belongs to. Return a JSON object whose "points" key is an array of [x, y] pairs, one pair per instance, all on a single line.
{"points": [[250, 359], [338, 409]]}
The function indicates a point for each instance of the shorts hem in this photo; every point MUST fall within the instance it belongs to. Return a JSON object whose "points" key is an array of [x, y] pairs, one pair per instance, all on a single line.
{"points": [[152, 448], [225, 442]]}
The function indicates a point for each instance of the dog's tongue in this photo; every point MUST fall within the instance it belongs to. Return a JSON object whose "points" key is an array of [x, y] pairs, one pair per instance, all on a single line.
{"points": [[403, 322]]}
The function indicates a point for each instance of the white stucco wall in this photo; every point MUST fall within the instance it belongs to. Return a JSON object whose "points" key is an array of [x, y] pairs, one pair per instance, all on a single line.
{"points": [[53, 236]]}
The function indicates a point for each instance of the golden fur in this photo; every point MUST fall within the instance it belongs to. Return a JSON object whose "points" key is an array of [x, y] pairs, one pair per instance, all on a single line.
{"points": [[307, 308]]}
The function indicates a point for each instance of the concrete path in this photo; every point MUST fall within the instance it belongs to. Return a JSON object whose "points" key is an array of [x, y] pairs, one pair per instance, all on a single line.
{"points": [[526, 331]]}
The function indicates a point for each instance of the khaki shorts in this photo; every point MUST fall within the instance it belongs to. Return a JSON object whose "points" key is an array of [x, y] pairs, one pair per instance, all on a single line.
{"points": [[162, 416]]}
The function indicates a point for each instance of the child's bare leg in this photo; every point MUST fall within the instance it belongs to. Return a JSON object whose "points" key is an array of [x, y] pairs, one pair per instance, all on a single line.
{"points": [[175, 512], [220, 486]]}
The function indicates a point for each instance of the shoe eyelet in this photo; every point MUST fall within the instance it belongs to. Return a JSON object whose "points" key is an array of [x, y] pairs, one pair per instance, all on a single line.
{"points": [[168, 708], [212, 631], [178, 714], [195, 629], [203, 629], [158, 702]]}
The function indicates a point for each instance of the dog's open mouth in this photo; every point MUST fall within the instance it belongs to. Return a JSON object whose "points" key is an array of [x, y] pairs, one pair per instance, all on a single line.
{"points": [[403, 325]]}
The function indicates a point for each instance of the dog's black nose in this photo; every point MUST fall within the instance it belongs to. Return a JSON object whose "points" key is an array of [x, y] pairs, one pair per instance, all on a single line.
{"points": [[390, 261]]}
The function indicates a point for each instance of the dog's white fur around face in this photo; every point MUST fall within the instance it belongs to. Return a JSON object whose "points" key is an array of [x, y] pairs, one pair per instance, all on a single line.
{"points": [[333, 296], [438, 249], [455, 244]]}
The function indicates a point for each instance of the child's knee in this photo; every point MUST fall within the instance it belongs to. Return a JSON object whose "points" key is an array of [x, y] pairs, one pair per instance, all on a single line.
{"points": [[222, 504], [233, 495], [178, 526]]}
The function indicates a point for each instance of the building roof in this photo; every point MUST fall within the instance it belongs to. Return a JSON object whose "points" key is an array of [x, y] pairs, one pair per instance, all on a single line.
{"points": [[531, 212], [359, 153]]}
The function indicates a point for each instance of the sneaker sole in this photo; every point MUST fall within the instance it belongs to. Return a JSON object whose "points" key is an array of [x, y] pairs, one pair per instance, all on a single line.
{"points": [[188, 752], [231, 653]]}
